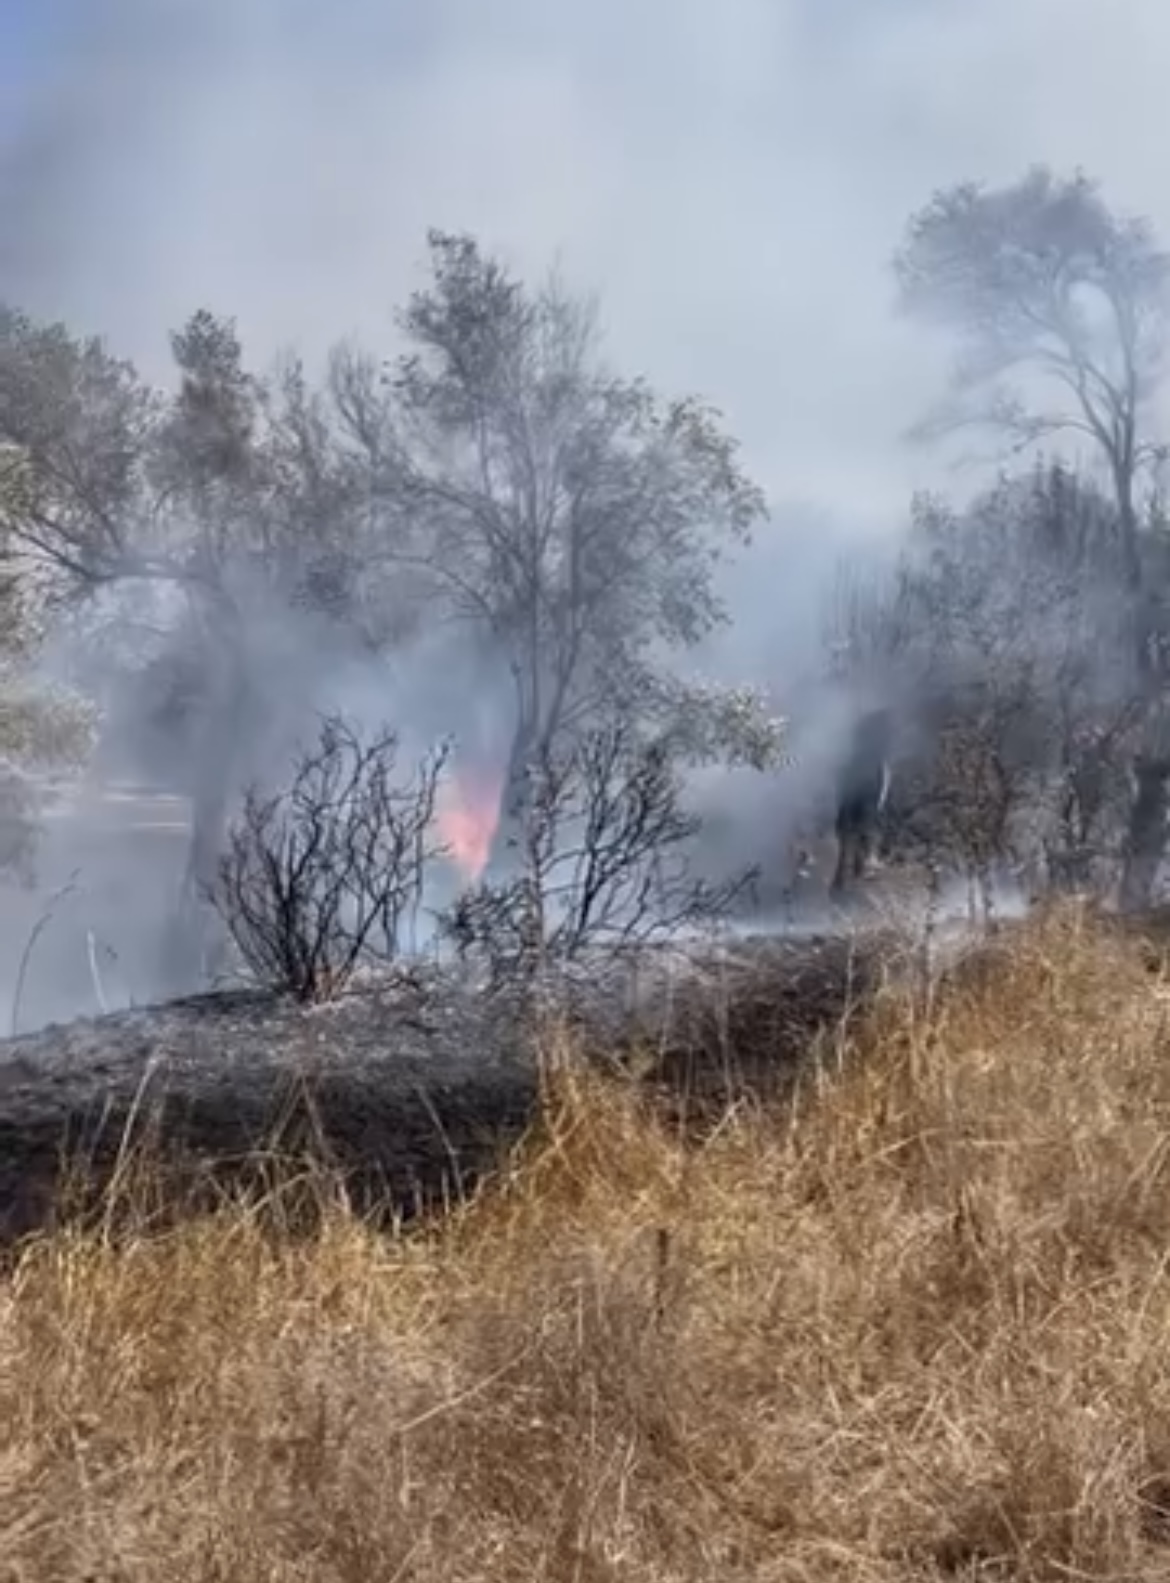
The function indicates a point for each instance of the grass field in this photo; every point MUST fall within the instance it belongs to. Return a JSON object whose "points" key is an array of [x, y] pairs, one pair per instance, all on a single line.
{"points": [[922, 1333]]}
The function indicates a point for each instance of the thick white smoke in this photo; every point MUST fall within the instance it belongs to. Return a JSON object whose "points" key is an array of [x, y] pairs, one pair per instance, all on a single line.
{"points": [[730, 178]]}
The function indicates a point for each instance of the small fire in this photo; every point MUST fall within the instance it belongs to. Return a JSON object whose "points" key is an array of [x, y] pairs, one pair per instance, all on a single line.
{"points": [[468, 815]]}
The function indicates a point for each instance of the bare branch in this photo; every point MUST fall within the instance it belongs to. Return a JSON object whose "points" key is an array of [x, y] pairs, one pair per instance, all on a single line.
{"points": [[319, 879], [603, 856]]}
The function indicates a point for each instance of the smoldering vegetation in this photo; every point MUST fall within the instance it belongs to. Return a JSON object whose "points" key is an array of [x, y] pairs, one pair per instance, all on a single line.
{"points": [[387, 681], [494, 571], [399, 813], [910, 1325], [409, 1089]]}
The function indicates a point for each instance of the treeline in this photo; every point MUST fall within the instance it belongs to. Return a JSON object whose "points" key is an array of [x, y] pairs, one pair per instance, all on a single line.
{"points": [[498, 480], [1030, 728], [1029, 631]]}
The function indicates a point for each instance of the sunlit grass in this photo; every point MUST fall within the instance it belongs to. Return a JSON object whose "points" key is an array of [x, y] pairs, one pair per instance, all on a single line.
{"points": [[924, 1332]]}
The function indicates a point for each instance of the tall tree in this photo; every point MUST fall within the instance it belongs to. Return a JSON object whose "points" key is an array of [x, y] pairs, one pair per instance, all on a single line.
{"points": [[573, 515], [1060, 304]]}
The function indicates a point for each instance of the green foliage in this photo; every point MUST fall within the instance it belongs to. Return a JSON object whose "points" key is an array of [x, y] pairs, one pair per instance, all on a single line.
{"points": [[43, 729]]}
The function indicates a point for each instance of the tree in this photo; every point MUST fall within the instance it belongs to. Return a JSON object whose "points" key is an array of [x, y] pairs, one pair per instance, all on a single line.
{"points": [[605, 849], [964, 688], [231, 490], [42, 728], [268, 527], [574, 516], [1044, 283], [1003, 634]]}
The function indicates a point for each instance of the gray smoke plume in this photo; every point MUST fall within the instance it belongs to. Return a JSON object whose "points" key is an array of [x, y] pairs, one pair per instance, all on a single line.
{"points": [[729, 178]]}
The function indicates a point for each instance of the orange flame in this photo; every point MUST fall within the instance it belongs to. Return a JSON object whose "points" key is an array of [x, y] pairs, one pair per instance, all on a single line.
{"points": [[468, 816]]}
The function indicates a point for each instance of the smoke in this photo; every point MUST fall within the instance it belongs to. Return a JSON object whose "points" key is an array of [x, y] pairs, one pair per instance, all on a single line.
{"points": [[729, 178]]}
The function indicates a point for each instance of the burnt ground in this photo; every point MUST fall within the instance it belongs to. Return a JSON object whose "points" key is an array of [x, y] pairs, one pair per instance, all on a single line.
{"points": [[409, 1089]]}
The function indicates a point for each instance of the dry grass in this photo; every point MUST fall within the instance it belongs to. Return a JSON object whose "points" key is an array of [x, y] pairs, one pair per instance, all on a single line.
{"points": [[925, 1333]]}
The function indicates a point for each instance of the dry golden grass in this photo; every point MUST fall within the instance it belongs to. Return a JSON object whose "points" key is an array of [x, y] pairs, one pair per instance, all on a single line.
{"points": [[925, 1333]]}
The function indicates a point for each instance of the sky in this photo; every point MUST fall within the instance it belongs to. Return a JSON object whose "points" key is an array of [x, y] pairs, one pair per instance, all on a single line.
{"points": [[730, 176]]}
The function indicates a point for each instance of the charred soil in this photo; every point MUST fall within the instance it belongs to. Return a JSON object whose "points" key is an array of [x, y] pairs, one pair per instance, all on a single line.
{"points": [[407, 1089]]}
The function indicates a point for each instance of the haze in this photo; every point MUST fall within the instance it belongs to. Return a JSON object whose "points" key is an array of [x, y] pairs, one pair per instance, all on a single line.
{"points": [[729, 178]]}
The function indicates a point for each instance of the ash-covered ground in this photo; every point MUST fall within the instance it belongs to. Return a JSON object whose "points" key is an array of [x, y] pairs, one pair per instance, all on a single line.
{"points": [[410, 1085]]}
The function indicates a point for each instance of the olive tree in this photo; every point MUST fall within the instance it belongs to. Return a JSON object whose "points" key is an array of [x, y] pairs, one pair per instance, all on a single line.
{"points": [[1003, 631], [575, 516], [1059, 305], [230, 489], [44, 728]]}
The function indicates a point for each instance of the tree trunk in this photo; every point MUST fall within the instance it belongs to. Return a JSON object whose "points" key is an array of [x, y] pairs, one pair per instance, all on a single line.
{"points": [[531, 738], [862, 788], [1145, 842], [184, 957], [513, 801], [190, 949]]}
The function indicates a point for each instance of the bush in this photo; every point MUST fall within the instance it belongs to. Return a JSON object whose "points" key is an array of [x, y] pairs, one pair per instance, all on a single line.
{"points": [[319, 879]]}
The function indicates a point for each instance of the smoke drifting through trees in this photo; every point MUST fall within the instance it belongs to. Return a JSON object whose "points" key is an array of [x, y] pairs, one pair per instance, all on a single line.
{"points": [[495, 480], [574, 516], [1007, 630], [1043, 278], [496, 494], [603, 848]]}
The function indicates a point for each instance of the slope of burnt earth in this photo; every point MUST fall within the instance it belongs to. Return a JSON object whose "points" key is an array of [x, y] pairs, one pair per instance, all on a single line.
{"points": [[403, 1090], [408, 1089], [703, 1025]]}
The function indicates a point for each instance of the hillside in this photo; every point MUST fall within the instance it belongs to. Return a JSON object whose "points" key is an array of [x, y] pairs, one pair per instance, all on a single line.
{"points": [[923, 1333], [409, 1087]]}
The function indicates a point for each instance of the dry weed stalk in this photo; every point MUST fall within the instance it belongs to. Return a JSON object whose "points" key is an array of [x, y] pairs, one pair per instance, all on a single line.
{"points": [[923, 1334]]}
